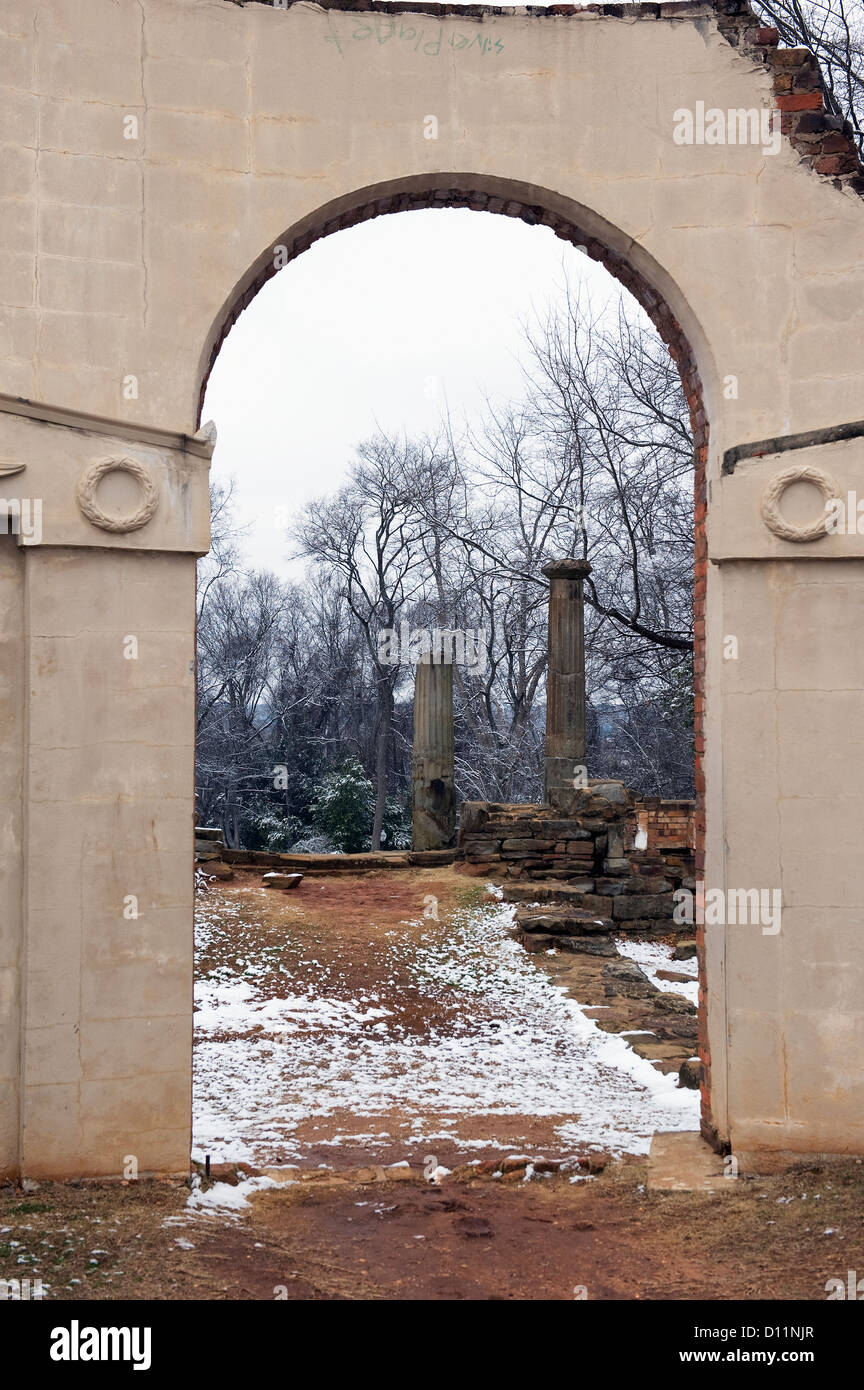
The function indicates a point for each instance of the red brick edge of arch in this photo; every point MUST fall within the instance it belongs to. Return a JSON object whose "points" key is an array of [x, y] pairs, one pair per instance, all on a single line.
{"points": [[679, 348]]}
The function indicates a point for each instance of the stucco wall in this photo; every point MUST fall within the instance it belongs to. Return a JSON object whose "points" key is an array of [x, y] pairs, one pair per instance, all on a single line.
{"points": [[11, 831]]}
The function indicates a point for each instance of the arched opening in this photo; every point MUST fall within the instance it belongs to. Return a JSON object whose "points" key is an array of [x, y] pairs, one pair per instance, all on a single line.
{"points": [[535, 209]]}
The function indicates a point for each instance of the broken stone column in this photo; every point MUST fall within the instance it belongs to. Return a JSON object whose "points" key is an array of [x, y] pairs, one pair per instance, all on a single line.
{"points": [[434, 802], [565, 680]]}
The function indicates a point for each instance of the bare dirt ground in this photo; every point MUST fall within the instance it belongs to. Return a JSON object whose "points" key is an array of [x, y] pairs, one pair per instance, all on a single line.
{"points": [[310, 992], [487, 1239], [383, 1018]]}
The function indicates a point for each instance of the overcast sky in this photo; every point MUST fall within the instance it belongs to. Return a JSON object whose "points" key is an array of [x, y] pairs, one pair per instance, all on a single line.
{"points": [[382, 325]]}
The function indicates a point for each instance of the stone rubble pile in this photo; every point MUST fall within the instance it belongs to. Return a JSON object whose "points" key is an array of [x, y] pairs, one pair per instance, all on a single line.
{"points": [[209, 852], [577, 868]]}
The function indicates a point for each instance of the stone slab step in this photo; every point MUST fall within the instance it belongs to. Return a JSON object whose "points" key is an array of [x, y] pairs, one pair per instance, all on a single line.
{"points": [[558, 920], [537, 942], [216, 869], [681, 1161], [547, 892], [207, 849], [431, 858]]}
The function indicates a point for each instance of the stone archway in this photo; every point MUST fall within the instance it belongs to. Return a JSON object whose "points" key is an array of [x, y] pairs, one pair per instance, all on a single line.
{"points": [[159, 214], [542, 208]]}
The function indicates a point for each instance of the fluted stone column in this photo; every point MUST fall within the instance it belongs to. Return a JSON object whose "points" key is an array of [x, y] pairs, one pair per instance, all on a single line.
{"points": [[565, 679], [434, 803]]}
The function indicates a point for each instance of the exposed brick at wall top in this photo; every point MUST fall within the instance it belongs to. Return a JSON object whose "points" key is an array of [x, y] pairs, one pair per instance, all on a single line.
{"points": [[824, 141]]}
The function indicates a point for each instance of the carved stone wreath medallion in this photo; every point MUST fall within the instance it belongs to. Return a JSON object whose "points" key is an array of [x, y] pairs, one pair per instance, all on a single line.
{"points": [[88, 485], [771, 514]]}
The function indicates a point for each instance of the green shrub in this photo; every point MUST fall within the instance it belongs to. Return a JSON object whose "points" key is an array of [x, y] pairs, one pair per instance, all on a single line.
{"points": [[343, 807]]}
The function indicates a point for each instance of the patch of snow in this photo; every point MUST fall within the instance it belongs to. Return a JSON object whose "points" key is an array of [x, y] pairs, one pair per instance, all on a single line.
{"points": [[232, 1007], [516, 1045], [652, 956], [223, 1199]]}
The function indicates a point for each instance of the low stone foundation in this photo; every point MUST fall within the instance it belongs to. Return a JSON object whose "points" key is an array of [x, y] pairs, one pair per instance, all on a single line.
{"points": [[213, 858], [361, 863]]}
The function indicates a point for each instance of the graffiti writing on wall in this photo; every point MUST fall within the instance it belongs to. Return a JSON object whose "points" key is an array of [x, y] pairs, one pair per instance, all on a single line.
{"points": [[430, 41]]}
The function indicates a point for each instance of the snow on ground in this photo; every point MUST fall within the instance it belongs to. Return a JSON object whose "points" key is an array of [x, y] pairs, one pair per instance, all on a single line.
{"points": [[232, 1006], [222, 1198], [517, 1046], [652, 956]]}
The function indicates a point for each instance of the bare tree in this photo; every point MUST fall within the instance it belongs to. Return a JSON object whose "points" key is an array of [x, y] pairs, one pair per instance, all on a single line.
{"points": [[370, 534], [595, 460], [236, 672], [606, 394], [223, 558]]}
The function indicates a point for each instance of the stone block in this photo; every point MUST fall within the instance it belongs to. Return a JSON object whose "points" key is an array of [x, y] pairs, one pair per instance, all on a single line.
{"points": [[567, 830], [614, 792], [611, 887], [644, 883], [616, 866], [660, 905], [690, 1073], [527, 846], [560, 920], [626, 978], [482, 849], [276, 880], [586, 945]]}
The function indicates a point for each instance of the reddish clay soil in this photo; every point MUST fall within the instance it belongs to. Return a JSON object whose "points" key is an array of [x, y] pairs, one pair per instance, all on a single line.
{"points": [[340, 928], [336, 937], [346, 1237], [545, 1239]]}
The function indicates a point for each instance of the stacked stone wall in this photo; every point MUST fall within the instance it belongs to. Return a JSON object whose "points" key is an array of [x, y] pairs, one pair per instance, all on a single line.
{"points": [[588, 853]]}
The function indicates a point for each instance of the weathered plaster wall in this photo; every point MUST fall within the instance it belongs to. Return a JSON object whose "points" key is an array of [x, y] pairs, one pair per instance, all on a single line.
{"points": [[11, 839], [97, 719], [109, 848], [119, 254]]}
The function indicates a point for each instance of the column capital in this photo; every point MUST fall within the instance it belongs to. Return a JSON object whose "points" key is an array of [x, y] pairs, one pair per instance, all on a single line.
{"points": [[567, 569]]}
